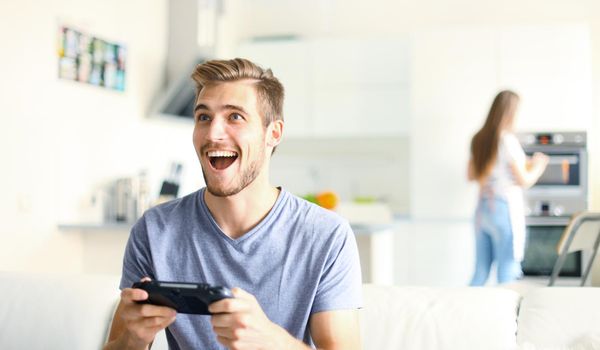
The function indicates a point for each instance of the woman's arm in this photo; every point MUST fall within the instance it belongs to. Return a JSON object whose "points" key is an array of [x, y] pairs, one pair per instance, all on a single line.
{"points": [[526, 174]]}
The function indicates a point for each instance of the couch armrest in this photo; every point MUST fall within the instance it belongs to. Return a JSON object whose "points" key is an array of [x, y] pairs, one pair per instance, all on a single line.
{"points": [[52, 311], [560, 317], [423, 318]]}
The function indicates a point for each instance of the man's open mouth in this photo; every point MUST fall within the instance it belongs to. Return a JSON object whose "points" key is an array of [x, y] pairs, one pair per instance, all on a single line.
{"points": [[221, 159]]}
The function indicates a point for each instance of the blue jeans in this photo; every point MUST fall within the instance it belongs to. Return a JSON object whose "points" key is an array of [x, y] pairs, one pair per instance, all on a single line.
{"points": [[494, 242]]}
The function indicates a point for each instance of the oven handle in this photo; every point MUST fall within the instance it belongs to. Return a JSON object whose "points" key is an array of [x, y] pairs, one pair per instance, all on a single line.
{"points": [[547, 220]]}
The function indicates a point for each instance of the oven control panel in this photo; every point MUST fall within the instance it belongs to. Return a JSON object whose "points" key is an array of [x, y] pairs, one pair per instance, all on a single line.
{"points": [[554, 207], [545, 209], [577, 139]]}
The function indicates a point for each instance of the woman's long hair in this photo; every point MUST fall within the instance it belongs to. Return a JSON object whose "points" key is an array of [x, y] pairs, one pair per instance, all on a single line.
{"points": [[484, 145]]}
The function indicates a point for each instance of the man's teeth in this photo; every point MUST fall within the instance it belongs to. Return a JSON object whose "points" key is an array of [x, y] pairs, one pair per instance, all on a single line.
{"points": [[222, 154]]}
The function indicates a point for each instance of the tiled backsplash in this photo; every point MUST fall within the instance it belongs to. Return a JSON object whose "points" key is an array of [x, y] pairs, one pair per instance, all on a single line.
{"points": [[352, 167]]}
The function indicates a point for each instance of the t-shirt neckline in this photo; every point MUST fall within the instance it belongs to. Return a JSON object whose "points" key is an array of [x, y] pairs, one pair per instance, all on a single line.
{"points": [[238, 241]]}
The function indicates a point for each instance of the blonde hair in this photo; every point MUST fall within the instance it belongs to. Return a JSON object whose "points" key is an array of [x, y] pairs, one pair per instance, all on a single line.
{"points": [[484, 145], [269, 90]]}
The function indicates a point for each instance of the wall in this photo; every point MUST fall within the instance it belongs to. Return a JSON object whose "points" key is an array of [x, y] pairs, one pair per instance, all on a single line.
{"points": [[60, 139]]}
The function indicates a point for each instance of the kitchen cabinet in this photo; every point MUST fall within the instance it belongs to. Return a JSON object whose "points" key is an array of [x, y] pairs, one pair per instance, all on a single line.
{"points": [[550, 66], [339, 87], [376, 251], [289, 61], [431, 252]]}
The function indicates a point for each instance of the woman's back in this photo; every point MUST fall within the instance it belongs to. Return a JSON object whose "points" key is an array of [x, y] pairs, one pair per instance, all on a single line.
{"points": [[501, 180]]}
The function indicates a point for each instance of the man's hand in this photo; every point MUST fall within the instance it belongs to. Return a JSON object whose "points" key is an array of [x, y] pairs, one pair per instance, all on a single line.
{"points": [[240, 323], [135, 325], [143, 321]]}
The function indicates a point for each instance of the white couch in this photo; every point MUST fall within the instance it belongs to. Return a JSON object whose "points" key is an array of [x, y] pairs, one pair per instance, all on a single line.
{"points": [[74, 312]]}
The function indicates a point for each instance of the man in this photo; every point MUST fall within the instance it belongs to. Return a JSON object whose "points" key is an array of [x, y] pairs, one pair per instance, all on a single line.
{"points": [[293, 265]]}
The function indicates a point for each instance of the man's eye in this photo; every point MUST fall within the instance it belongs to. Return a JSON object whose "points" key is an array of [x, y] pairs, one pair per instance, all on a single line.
{"points": [[203, 117], [236, 116]]}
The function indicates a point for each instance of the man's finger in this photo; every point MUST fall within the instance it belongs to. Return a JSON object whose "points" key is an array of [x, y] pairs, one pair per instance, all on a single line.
{"points": [[240, 293], [228, 305], [224, 332], [134, 294], [221, 320], [225, 341], [157, 322], [149, 310]]}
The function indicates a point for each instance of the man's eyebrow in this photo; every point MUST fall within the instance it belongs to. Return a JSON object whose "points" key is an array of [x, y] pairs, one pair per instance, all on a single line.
{"points": [[200, 106], [239, 108], [228, 106]]}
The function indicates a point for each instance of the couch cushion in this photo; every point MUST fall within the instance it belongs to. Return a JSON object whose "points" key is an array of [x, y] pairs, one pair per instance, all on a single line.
{"points": [[560, 317], [421, 318], [56, 311]]}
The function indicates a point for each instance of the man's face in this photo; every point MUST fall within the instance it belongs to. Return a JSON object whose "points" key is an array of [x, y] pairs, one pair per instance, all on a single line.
{"points": [[229, 136]]}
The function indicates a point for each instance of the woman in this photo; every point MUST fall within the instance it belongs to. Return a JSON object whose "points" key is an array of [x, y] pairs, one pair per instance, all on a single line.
{"points": [[498, 163]]}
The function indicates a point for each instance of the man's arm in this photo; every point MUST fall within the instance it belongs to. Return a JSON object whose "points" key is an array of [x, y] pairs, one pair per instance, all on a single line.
{"points": [[336, 330], [240, 323], [135, 325]]}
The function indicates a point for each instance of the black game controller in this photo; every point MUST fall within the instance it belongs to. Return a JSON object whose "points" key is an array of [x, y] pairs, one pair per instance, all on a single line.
{"points": [[185, 298]]}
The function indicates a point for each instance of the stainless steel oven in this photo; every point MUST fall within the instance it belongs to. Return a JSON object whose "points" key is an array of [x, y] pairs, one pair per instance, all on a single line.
{"points": [[542, 236], [561, 191]]}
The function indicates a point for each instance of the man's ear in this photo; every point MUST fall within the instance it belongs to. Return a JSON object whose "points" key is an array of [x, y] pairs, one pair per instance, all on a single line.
{"points": [[274, 133]]}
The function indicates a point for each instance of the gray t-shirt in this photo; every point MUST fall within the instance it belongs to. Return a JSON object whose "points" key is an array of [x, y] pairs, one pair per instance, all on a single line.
{"points": [[299, 260]]}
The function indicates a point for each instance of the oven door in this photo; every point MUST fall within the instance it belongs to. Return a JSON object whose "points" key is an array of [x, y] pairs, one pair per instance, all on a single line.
{"points": [[565, 168], [542, 236]]}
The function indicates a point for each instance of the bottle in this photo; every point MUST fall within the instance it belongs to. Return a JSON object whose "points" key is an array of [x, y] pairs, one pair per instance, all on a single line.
{"points": [[170, 186], [142, 202], [123, 200]]}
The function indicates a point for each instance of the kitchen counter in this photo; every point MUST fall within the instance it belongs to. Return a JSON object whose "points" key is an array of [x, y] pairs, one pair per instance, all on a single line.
{"points": [[376, 250]]}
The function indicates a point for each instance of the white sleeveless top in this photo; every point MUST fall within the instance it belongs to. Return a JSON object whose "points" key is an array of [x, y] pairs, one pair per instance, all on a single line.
{"points": [[501, 180]]}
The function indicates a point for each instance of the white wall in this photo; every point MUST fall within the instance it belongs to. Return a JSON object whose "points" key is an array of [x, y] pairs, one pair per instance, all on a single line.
{"points": [[60, 138]]}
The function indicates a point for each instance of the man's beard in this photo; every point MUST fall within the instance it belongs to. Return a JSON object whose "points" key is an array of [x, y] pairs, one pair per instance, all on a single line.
{"points": [[247, 176]]}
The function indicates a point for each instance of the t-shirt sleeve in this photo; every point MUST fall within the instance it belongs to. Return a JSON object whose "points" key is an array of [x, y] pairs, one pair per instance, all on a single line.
{"points": [[137, 261], [340, 285], [514, 151]]}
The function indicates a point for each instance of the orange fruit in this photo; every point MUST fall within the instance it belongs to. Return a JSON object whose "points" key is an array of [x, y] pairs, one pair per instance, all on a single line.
{"points": [[327, 199]]}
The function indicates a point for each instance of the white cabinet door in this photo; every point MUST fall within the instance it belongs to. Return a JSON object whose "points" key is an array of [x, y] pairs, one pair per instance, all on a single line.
{"points": [[289, 61], [361, 87], [361, 61], [550, 67], [454, 82], [340, 87], [361, 110]]}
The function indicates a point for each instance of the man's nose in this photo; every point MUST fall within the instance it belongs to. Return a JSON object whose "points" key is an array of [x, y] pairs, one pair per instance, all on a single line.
{"points": [[217, 129]]}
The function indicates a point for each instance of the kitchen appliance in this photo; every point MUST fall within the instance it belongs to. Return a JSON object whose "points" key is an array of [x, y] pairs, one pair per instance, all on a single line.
{"points": [[560, 192]]}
